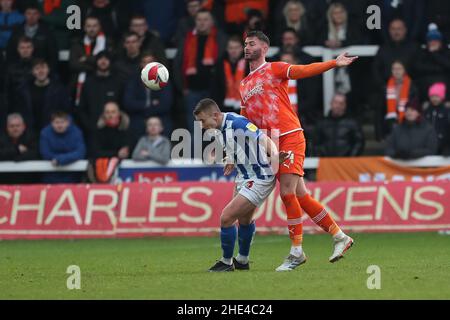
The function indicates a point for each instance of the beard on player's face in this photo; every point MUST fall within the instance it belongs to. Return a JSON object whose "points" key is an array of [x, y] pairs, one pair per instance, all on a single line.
{"points": [[252, 56]]}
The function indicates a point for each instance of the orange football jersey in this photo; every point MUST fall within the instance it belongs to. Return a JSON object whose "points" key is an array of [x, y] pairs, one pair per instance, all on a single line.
{"points": [[265, 99]]}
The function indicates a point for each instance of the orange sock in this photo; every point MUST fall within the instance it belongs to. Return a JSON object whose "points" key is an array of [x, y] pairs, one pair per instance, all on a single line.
{"points": [[318, 214], [294, 219]]}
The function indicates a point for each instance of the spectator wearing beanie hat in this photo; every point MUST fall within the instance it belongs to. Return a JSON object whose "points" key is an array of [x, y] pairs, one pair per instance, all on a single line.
{"points": [[413, 138], [102, 86], [437, 114], [433, 63]]}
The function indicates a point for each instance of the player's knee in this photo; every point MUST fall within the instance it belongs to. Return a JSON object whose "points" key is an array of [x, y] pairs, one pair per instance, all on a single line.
{"points": [[245, 220], [301, 193], [226, 220], [287, 187], [286, 191]]}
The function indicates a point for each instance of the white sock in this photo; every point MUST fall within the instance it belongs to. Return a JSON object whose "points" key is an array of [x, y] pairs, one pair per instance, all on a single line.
{"points": [[339, 236], [242, 259], [296, 251], [227, 261]]}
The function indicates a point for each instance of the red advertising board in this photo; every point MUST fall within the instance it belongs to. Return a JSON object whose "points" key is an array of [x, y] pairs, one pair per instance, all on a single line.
{"points": [[193, 208]]}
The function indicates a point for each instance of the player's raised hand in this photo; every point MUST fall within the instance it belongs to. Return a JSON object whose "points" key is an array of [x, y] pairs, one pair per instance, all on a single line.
{"points": [[344, 60]]}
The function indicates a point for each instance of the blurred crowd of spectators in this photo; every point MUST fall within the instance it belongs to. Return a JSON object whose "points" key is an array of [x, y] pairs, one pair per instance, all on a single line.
{"points": [[95, 107]]}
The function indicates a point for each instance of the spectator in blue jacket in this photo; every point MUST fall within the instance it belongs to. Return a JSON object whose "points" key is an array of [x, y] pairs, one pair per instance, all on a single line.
{"points": [[9, 18], [141, 103], [61, 142]]}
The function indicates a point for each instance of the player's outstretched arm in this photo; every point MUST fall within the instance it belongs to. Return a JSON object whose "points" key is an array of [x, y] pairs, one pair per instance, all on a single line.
{"points": [[314, 69]]}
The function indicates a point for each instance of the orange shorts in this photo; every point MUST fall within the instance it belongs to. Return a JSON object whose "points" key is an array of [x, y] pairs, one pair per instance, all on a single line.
{"points": [[295, 144]]}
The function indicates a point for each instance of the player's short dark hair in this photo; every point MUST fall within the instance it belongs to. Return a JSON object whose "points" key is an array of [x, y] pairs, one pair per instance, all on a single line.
{"points": [[59, 115], [259, 35], [205, 105]]}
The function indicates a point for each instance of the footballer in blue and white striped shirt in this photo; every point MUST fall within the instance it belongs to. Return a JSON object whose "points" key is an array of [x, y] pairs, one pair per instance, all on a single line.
{"points": [[256, 159]]}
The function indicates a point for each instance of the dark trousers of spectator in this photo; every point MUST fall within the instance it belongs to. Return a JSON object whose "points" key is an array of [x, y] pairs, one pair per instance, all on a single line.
{"points": [[190, 101]]}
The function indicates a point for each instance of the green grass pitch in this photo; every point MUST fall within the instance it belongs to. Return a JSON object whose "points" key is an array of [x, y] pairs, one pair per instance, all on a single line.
{"points": [[413, 266]]}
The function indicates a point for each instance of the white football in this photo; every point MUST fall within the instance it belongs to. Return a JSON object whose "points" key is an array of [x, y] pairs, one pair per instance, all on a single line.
{"points": [[155, 76]]}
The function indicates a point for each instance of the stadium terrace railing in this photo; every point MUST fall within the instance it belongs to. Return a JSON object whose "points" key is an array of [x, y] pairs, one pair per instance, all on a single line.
{"points": [[315, 51], [81, 165]]}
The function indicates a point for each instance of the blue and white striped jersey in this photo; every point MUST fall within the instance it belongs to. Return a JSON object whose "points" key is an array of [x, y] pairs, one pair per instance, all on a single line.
{"points": [[241, 141]]}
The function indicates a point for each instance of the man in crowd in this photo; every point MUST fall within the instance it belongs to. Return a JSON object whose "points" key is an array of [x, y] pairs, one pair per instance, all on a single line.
{"points": [[17, 144], [414, 137], [338, 135], [433, 62], [148, 39], [40, 96], [153, 146], [127, 64], [18, 71], [141, 103], [397, 48], [43, 40], [100, 87], [61, 142], [231, 69], [195, 62], [83, 51]]}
